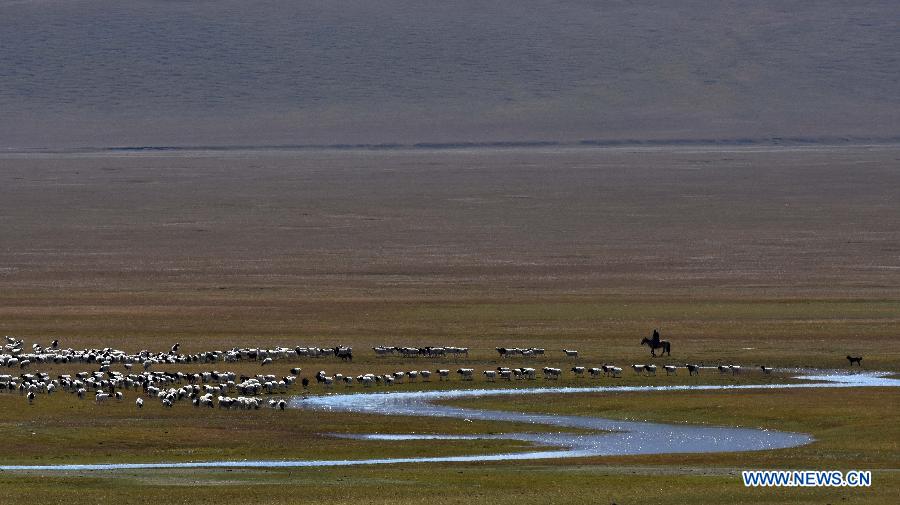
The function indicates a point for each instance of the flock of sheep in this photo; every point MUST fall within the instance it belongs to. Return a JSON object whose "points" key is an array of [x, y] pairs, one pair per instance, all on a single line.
{"points": [[247, 392]]}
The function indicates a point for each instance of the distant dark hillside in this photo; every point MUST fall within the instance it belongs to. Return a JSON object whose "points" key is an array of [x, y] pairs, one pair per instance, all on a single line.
{"points": [[145, 72]]}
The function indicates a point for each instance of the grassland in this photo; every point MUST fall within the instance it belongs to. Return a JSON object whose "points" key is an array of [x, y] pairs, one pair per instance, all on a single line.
{"points": [[785, 258], [849, 433]]}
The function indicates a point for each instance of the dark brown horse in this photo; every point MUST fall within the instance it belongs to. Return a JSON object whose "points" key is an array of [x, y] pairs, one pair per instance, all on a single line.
{"points": [[665, 345]]}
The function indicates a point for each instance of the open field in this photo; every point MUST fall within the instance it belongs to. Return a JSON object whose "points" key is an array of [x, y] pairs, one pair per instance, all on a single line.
{"points": [[784, 257]]}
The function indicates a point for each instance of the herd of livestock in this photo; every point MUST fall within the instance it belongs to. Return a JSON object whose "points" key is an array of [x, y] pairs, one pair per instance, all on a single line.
{"points": [[244, 391]]}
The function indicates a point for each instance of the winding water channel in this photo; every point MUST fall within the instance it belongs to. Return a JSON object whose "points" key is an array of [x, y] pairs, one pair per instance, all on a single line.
{"points": [[613, 437]]}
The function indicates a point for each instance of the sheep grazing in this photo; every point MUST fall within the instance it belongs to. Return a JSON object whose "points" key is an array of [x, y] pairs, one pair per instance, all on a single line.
{"points": [[139, 403], [855, 359], [296, 371], [426, 375], [101, 397], [638, 369], [766, 369], [578, 371], [570, 353], [692, 369], [490, 375], [443, 374], [551, 373], [466, 373], [383, 351], [671, 369], [267, 361], [595, 372], [650, 369]]}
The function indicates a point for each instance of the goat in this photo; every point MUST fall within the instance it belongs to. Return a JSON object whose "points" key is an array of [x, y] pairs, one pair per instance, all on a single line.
{"points": [[570, 353], [692, 369], [671, 369]]}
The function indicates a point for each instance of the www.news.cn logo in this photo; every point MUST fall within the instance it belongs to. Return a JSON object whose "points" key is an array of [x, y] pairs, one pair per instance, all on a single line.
{"points": [[806, 478]]}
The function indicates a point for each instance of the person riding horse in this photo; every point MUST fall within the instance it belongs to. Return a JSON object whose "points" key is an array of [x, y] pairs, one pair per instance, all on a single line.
{"points": [[655, 343]]}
